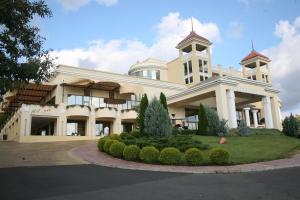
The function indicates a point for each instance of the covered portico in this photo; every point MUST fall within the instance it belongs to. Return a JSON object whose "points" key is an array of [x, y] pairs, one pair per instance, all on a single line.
{"points": [[234, 100]]}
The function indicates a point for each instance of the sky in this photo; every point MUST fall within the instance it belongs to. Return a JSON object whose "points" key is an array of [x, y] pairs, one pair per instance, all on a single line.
{"points": [[111, 35]]}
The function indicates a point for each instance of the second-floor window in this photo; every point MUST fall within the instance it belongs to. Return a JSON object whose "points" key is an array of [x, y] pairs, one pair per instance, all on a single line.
{"points": [[203, 69], [188, 72]]}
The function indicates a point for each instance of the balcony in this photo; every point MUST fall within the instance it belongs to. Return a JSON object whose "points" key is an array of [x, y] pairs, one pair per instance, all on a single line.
{"points": [[78, 110], [106, 112], [129, 114]]}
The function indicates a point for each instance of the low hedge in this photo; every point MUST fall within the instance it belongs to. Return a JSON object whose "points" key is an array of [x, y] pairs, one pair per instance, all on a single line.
{"points": [[108, 142], [131, 152], [116, 149], [170, 156], [149, 154], [101, 143], [219, 156], [193, 156]]}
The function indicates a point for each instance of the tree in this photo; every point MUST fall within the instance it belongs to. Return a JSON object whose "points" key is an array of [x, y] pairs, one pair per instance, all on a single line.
{"points": [[157, 121], [213, 121], [141, 114], [22, 58], [163, 101], [290, 126], [202, 121]]}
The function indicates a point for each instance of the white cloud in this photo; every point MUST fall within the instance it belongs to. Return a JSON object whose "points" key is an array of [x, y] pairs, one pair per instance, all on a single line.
{"points": [[285, 65], [117, 55], [236, 30], [73, 5]]}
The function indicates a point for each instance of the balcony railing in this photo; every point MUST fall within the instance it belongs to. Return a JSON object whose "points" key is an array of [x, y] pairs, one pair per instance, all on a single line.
{"points": [[98, 102]]}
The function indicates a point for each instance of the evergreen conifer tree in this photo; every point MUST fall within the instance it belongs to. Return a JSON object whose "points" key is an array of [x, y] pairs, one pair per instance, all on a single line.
{"points": [[163, 101], [141, 114], [157, 121], [202, 121]]}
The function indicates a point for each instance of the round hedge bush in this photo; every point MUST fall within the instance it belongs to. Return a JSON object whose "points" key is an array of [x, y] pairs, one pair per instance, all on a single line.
{"points": [[107, 144], [116, 149], [149, 154], [193, 156], [219, 156], [170, 156], [101, 143], [131, 152]]}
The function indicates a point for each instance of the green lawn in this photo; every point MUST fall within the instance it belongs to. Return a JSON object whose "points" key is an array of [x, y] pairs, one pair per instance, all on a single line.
{"points": [[253, 148]]}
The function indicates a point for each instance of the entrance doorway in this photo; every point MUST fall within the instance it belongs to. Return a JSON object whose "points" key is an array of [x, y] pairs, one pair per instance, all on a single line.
{"points": [[100, 125]]}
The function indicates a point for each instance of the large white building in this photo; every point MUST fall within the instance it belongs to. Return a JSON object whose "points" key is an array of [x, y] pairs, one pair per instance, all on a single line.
{"points": [[77, 103]]}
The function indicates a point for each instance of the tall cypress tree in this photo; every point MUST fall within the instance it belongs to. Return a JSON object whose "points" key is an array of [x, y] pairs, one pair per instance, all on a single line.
{"points": [[163, 101], [141, 114], [202, 121]]}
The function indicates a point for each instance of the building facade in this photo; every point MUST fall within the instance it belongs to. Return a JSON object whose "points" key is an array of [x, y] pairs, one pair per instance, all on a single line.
{"points": [[77, 103]]}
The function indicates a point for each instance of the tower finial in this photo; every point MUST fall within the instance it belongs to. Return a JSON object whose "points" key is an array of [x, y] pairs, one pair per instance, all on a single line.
{"points": [[252, 45], [192, 24]]}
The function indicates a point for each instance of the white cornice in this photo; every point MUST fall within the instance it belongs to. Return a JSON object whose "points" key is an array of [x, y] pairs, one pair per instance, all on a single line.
{"points": [[114, 77]]}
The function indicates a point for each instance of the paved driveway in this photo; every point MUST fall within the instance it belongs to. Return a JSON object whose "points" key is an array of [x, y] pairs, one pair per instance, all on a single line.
{"points": [[97, 182], [14, 154]]}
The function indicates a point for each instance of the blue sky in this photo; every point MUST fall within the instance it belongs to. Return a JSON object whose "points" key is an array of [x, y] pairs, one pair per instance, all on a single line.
{"points": [[113, 34]]}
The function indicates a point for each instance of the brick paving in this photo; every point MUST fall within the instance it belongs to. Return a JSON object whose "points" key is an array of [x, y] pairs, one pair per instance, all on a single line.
{"points": [[90, 153], [13, 154]]}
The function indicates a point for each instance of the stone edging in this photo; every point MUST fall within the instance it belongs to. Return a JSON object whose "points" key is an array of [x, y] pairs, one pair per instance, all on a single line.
{"points": [[89, 153]]}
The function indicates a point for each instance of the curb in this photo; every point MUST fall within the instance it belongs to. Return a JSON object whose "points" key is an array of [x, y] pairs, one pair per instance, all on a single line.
{"points": [[91, 155]]}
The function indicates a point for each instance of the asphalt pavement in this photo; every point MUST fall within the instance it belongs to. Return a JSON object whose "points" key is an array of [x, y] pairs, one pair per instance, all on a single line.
{"points": [[97, 182]]}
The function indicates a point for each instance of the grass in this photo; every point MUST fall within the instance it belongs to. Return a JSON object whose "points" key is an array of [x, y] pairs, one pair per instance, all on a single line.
{"points": [[254, 148]]}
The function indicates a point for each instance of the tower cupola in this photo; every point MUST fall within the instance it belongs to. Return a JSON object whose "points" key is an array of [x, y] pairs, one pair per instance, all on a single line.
{"points": [[256, 67], [194, 54]]}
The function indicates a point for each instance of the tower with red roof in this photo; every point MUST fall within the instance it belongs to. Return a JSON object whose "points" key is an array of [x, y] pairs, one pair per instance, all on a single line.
{"points": [[256, 67]]}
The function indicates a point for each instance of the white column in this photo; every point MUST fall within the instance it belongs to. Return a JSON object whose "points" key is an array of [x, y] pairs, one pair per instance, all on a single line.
{"points": [[232, 122], [91, 131], [247, 116], [268, 112], [254, 113]]}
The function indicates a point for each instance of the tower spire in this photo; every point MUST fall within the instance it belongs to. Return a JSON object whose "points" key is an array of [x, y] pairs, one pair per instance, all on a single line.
{"points": [[192, 24], [252, 45]]}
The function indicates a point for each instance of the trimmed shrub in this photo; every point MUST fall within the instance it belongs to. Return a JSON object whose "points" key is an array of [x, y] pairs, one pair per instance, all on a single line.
{"points": [[136, 134], [107, 144], [202, 121], [157, 121], [243, 129], [116, 149], [184, 142], [188, 132], [115, 137], [193, 156], [170, 156], [223, 129], [219, 156], [149, 154], [131, 152], [101, 143], [290, 126]]}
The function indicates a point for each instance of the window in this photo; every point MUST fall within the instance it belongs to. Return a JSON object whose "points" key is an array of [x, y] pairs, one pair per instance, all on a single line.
{"points": [[157, 75], [190, 67], [201, 78], [78, 100], [71, 99], [96, 102], [188, 70], [86, 100], [200, 66], [185, 69]]}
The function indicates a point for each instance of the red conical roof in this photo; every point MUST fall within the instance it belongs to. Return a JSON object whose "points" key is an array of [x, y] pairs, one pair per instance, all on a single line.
{"points": [[193, 35], [254, 54]]}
